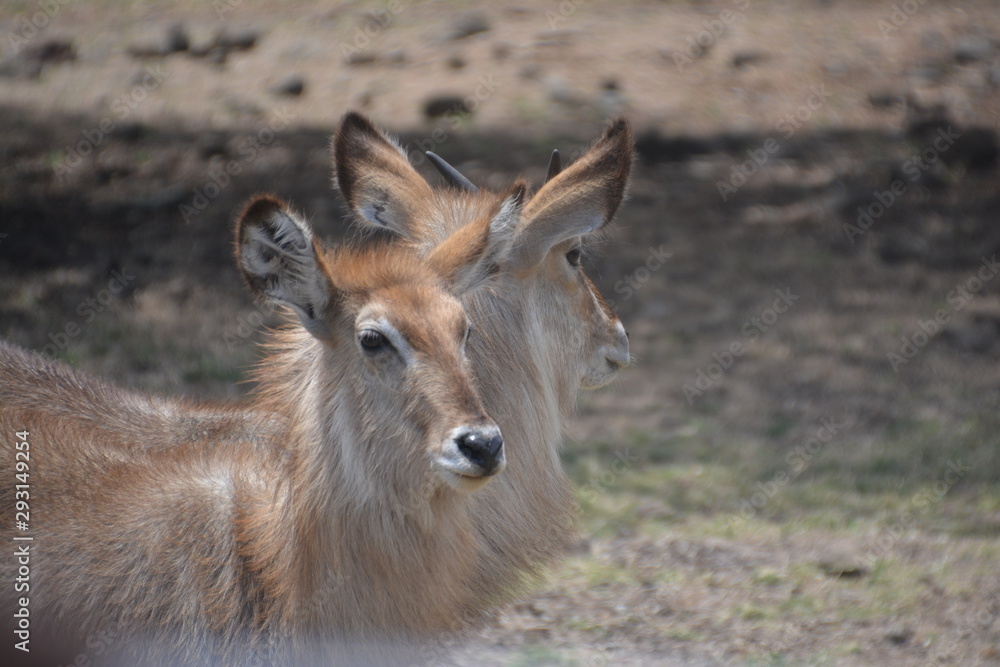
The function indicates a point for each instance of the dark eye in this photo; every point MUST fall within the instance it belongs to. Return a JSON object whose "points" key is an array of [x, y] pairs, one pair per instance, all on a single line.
{"points": [[573, 257], [372, 341]]}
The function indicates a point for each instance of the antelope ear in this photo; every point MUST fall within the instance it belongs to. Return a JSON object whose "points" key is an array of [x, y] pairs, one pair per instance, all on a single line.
{"points": [[279, 260], [578, 201], [375, 178], [472, 255]]}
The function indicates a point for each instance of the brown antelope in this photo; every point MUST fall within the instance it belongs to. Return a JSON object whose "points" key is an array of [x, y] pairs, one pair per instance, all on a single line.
{"points": [[336, 504], [292, 518]]}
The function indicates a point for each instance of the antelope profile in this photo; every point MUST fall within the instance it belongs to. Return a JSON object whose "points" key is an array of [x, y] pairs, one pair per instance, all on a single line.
{"points": [[365, 492]]}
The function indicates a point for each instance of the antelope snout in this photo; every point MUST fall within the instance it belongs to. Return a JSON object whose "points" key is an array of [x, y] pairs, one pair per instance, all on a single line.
{"points": [[482, 449], [472, 454], [617, 354]]}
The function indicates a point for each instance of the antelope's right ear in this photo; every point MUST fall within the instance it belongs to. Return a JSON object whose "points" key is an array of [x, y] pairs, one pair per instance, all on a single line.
{"points": [[578, 201], [375, 178], [279, 260]]}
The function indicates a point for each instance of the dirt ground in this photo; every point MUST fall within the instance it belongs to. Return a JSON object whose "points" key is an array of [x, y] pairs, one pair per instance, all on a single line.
{"points": [[802, 466]]}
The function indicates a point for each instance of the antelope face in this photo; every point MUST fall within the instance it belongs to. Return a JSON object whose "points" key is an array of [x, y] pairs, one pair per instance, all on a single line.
{"points": [[393, 338], [536, 242], [412, 338]]}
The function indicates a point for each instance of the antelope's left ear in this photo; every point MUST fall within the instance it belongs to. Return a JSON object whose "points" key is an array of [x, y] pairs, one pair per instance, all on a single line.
{"points": [[279, 260], [473, 254], [376, 179]]}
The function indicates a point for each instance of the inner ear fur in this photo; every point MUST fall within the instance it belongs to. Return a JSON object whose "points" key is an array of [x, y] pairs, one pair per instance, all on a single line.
{"points": [[280, 261], [375, 178]]}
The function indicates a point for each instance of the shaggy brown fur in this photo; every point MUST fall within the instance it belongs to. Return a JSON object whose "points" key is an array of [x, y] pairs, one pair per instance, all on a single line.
{"points": [[317, 511], [311, 513]]}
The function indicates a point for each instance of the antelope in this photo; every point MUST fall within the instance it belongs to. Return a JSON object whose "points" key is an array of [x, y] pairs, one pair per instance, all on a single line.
{"points": [[399, 543], [334, 505]]}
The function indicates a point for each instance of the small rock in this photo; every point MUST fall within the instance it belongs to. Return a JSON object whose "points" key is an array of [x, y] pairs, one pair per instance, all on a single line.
{"points": [[898, 634], [292, 86], [746, 58], [972, 48], [456, 61], [50, 51], [469, 24], [237, 40], [358, 58], [177, 38], [445, 105]]}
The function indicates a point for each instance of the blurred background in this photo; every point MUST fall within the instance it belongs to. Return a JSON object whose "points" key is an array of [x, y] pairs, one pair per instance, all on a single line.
{"points": [[801, 467]]}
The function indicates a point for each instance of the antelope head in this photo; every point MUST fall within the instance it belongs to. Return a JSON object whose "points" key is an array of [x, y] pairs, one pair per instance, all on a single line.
{"points": [[383, 359]]}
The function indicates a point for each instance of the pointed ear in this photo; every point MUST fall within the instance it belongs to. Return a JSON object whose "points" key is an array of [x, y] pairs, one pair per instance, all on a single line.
{"points": [[578, 201], [375, 178], [279, 260], [472, 255]]}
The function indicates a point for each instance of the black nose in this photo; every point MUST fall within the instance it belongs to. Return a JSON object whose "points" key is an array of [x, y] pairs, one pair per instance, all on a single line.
{"points": [[481, 449]]}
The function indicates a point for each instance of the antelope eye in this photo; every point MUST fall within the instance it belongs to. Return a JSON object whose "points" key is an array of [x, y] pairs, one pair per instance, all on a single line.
{"points": [[573, 257], [373, 341]]}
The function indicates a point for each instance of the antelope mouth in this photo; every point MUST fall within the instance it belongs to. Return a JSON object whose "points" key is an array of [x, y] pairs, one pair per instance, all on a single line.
{"points": [[463, 476], [465, 483]]}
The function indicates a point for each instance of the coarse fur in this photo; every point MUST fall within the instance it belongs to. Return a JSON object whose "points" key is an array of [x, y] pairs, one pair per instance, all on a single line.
{"points": [[333, 506], [308, 513]]}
